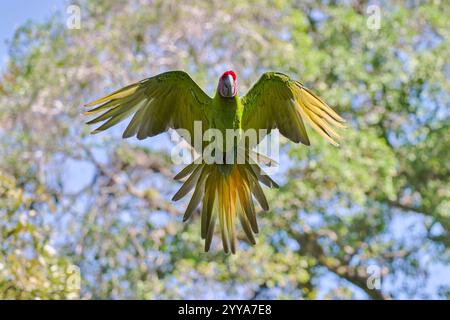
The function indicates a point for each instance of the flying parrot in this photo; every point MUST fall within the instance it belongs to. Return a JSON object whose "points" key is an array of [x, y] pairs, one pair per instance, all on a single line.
{"points": [[225, 191]]}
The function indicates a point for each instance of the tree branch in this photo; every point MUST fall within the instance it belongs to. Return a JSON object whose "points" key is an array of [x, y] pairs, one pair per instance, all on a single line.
{"points": [[309, 245]]}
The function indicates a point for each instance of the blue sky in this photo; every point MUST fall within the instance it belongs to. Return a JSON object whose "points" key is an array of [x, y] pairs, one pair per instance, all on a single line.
{"points": [[13, 13]]}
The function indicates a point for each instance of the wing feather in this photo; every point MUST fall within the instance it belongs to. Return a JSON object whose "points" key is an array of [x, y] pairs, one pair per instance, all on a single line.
{"points": [[168, 100], [277, 101]]}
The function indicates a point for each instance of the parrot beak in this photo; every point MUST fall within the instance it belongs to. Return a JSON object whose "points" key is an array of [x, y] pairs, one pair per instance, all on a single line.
{"points": [[227, 89]]}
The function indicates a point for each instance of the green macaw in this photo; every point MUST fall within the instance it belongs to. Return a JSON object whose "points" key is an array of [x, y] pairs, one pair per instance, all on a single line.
{"points": [[173, 100]]}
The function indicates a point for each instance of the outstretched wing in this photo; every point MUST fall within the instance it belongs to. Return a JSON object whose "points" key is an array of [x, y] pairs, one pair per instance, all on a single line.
{"points": [[168, 100], [277, 101]]}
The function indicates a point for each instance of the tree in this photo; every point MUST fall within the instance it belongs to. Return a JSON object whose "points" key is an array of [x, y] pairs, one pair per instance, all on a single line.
{"points": [[377, 207]]}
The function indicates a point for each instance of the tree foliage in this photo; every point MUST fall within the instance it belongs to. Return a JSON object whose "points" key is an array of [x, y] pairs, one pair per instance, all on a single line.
{"points": [[379, 202]]}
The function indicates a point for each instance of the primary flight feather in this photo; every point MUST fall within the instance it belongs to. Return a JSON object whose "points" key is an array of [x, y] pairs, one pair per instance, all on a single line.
{"points": [[225, 191]]}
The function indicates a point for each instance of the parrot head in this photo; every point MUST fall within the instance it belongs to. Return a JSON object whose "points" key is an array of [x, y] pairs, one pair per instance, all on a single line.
{"points": [[227, 84]]}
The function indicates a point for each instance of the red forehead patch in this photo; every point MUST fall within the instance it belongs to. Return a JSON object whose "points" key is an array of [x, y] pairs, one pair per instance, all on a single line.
{"points": [[229, 72]]}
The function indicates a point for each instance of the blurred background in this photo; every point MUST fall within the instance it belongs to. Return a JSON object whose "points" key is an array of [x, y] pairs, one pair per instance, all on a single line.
{"points": [[90, 217]]}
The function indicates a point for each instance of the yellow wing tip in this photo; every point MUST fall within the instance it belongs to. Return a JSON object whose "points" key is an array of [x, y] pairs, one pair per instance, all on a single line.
{"points": [[88, 113], [121, 93], [96, 131], [92, 103], [337, 145]]}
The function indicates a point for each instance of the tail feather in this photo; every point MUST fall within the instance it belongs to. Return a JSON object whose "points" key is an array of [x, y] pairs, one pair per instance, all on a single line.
{"points": [[186, 171], [189, 184], [255, 187], [225, 195], [248, 206], [198, 194]]}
